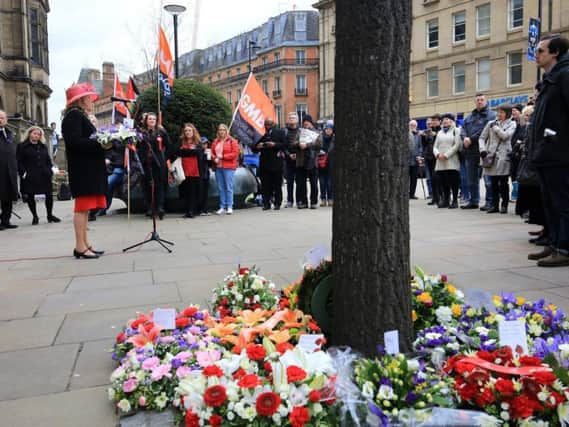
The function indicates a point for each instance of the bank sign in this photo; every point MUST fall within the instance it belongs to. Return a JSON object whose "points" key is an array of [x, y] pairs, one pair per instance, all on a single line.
{"points": [[512, 100]]}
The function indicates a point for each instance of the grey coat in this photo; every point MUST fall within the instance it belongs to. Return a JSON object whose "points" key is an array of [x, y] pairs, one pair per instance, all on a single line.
{"points": [[496, 138], [448, 143], [8, 167]]}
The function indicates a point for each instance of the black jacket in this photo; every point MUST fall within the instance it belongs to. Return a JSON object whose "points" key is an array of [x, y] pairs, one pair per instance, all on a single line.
{"points": [[474, 124], [115, 155], [428, 142], [34, 168], [198, 152], [153, 155], [8, 167], [552, 112], [271, 159], [85, 156]]}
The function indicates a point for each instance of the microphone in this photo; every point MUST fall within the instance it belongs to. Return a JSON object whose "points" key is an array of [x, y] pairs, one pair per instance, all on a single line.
{"points": [[115, 99]]}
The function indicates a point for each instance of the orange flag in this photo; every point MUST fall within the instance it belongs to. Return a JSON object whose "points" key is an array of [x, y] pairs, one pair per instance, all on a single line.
{"points": [[119, 106], [165, 66]]}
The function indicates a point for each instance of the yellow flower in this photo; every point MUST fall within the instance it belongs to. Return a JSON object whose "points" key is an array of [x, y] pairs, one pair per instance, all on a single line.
{"points": [[470, 312], [491, 318], [456, 310], [414, 316], [537, 317], [451, 289], [520, 300], [552, 307], [425, 298], [497, 300]]}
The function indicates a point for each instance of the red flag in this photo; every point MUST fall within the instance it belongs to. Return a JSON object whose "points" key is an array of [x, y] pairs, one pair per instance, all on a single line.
{"points": [[119, 106], [131, 90]]}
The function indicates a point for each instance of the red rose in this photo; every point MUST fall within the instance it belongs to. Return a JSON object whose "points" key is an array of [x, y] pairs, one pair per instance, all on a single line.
{"points": [[236, 349], [255, 352], [190, 311], [120, 338], [244, 270], [191, 419], [485, 355], [530, 361], [224, 301], [505, 387], [215, 396], [477, 376], [267, 403], [444, 278], [136, 323], [521, 407], [468, 391], [249, 381], [182, 322], [283, 347], [268, 367], [503, 353], [544, 377], [314, 396], [256, 306], [294, 373], [240, 373], [299, 416], [215, 420], [213, 371], [484, 398], [149, 326], [313, 326]]}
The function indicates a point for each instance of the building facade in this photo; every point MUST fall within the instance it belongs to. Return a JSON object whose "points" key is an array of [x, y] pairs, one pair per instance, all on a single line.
{"points": [[461, 48], [283, 55], [327, 32], [24, 61]]}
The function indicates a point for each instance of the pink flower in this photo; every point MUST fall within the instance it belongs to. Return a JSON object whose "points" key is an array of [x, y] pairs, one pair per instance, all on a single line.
{"points": [[160, 372], [150, 363], [207, 357], [195, 330], [190, 339], [142, 401], [167, 339], [183, 371], [129, 385], [184, 356]]}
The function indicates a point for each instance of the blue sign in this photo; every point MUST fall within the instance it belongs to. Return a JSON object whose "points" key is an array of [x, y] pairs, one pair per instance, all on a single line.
{"points": [[512, 100], [534, 32]]}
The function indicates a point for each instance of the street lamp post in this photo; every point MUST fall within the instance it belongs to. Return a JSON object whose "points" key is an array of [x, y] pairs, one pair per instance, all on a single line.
{"points": [[175, 10], [252, 45]]}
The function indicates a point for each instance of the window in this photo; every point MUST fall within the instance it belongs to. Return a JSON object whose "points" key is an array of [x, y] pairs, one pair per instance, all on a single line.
{"points": [[514, 68], [238, 70], [277, 56], [459, 27], [515, 14], [279, 114], [301, 110], [238, 95], [35, 37], [228, 73], [300, 57], [483, 20], [432, 82], [432, 33], [301, 83], [483, 74], [265, 85], [300, 22], [277, 83], [229, 97], [209, 79], [265, 60], [458, 78]]}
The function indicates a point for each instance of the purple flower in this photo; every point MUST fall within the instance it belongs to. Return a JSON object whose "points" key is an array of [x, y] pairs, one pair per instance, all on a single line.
{"points": [[385, 381], [410, 398]]}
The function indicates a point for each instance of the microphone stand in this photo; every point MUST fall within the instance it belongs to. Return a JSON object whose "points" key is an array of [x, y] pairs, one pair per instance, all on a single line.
{"points": [[154, 237]]}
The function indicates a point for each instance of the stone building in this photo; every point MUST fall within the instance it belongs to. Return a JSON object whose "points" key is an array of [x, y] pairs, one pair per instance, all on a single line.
{"points": [[327, 53], [24, 61]]}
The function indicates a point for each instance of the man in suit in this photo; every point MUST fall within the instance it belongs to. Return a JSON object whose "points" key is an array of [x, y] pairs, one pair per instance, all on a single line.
{"points": [[8, 173], [271, 146]]}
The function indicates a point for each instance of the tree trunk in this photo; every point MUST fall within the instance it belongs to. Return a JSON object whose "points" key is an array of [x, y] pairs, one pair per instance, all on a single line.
{"points": [[370, 245]]}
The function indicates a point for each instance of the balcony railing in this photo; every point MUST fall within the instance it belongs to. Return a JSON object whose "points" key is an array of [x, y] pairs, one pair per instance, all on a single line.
{"points": [[303, 91], [277, 93]]}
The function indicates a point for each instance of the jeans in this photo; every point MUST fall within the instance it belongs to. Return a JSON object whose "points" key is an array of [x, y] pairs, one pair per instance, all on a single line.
{"points": [[325, 179], [224, 178], [472, 166], [514, 190], [113, 181], [489, 195], [464, 182], [554, 183]]}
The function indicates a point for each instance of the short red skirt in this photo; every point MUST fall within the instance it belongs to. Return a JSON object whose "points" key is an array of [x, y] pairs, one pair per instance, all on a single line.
{"points": [[86, 203]]}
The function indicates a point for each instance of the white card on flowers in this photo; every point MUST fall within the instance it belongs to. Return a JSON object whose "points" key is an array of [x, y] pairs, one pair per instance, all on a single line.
{"points": [[391, 341], [513, 334], [165, 317], [310, 343]]}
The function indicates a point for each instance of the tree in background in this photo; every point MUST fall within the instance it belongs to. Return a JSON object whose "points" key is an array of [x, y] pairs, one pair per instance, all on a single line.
{"points": [[191, 102], [370, 245]]}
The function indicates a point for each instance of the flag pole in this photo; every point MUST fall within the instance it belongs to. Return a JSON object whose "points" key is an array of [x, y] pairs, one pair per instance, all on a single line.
{"points": [[239, 102], [127, 158], [114, 94]]}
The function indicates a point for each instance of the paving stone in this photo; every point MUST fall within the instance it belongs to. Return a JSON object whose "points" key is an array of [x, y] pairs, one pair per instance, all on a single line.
{"points": [[94, 365], [110, 281], [498, 281], [29, 333], [27, 373]]}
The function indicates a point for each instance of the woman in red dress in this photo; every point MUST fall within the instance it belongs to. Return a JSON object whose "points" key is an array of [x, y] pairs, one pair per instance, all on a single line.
{"points": [[86, 164]]}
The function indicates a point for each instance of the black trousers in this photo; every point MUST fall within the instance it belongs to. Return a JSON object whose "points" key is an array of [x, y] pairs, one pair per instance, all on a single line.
{"points": [[302, 175], [413, 174], [435, 184], [450, 181], [204, 193], [500, 190], [290, 168], [190, 192], [48, 204], [272, 187], [6, 206], [160, 187], [554, 184]]}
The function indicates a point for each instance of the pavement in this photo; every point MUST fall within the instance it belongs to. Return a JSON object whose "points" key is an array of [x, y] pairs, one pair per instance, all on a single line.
{"points": [[59, 316]]}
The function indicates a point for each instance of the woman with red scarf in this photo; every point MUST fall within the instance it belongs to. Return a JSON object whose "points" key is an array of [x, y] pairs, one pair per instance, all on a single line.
{"points": [[224, 152]]}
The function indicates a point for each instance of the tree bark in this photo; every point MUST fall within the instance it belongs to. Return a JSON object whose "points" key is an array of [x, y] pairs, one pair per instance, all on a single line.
{"points": [[370, 244]]}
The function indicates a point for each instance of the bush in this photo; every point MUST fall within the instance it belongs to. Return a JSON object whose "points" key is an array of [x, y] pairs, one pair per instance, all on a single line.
{"points": [[191, 101]]}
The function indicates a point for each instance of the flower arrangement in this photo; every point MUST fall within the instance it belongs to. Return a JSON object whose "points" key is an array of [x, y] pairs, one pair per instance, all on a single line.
{"points": [[519, 390], [244, 289], [257, 387], [105, 135], [289, 296]]}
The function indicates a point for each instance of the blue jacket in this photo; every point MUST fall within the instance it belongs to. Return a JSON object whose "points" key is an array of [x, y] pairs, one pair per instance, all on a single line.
{"points": [[473, 126]]}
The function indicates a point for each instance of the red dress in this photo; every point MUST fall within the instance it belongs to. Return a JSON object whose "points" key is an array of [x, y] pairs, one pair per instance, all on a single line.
{"points": [[92, 201]]}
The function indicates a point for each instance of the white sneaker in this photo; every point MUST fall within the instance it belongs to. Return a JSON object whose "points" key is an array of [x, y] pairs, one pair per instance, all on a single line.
{"points": [[229, 211], [220, 212]]}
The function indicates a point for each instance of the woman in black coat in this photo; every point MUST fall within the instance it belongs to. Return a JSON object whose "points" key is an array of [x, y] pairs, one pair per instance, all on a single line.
{"points": [[86, 164], [34, 168], [152, 151]]}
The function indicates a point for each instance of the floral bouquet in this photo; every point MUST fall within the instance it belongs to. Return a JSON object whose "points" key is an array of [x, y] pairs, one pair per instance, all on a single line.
{"points": [[520, 390], [257, 387], [394, 383], [289, 296], [105, 135], [244, 290], [283, 328]]}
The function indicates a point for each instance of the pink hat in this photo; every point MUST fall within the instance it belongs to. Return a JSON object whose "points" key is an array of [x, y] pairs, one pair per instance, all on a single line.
{"points": [[80, 90]]}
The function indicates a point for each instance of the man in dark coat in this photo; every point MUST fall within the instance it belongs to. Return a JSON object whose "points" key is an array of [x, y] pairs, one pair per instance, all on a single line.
{"points": [[271, 147], [8, 173], [550, 154], [428, 141]]}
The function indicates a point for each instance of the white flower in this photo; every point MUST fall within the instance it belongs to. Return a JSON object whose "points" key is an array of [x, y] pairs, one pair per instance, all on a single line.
{"points": [[161, 400], [317, 408], [256, 298], [535, 329], [564, 349], [111, 393], [563, 414], [482, 330], [385, 392], [257, 284], [505, 415], [124, 405], [413, 365], [230, 416], [277, 419], [488, 421], [444, 314], [368, 390]]}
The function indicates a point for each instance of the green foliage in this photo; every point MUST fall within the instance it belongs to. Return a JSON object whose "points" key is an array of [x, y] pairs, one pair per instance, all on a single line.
{"points": [[310, 279], [191, 102]]}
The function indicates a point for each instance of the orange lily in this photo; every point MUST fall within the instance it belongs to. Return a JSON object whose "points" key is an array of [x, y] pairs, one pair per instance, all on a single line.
{"points": [[143, 337], [290, 318], [221, 331], [250, 318], [279, 337]]}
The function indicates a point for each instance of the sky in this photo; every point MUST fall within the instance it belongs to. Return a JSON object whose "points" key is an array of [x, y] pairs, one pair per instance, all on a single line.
{"points": [[84, 34]]}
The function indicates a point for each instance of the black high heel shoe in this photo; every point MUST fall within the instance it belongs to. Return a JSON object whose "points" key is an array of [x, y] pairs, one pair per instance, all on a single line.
{"points": [[35, 220], [95, 251], [53, 218], [84, 254]]}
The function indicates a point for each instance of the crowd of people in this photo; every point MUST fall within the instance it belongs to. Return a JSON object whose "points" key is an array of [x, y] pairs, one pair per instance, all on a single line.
{"points": [[528, 145]]}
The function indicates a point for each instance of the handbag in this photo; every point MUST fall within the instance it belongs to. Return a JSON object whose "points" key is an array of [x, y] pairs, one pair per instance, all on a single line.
{"points": [[177, 171], [489, 160], [526, 174]]}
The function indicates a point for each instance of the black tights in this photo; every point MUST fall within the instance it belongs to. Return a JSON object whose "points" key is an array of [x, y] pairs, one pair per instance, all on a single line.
{"points": [[450, 181], [48, 204]]}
